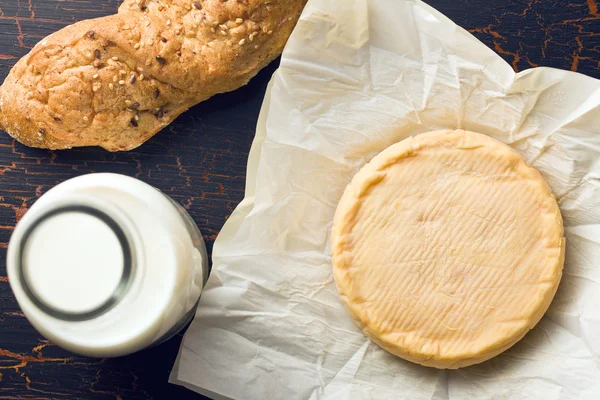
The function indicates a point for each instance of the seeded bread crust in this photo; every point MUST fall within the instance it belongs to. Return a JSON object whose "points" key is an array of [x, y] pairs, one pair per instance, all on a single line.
{"points": [[116, 81]]}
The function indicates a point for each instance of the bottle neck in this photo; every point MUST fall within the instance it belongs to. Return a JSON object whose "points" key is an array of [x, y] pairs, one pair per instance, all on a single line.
{"points": [[75, 261]]}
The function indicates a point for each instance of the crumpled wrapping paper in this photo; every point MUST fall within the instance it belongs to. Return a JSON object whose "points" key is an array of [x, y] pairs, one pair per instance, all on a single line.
{"points": [[356, 77]]}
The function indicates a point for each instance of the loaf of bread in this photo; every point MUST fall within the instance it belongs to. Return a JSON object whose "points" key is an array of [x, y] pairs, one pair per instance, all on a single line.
{"points": [[116, 81]]}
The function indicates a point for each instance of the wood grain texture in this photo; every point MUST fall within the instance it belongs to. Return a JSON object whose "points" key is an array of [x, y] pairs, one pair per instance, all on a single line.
{"points": [[200, 161]]}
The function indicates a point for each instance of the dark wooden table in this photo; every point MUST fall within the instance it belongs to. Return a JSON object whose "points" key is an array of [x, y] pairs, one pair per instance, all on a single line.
{"points": [[200, 160]]}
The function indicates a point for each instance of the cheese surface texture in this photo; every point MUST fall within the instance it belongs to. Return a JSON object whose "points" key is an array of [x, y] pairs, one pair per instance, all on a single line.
{"points": [[447, 248]]}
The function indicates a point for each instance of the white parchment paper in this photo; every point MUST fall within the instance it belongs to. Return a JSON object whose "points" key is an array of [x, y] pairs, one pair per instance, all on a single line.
{"points": [[356, 77]]}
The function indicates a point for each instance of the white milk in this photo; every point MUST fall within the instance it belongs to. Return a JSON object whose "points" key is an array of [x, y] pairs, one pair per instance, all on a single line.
{"points": [[105, 265]]}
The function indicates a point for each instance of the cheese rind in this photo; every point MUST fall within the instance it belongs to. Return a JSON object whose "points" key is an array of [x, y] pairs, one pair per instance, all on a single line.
{"points": [[447, 248]]}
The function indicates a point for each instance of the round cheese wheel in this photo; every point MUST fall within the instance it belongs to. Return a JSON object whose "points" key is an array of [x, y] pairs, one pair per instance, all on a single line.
{"points": [[447, 248]]}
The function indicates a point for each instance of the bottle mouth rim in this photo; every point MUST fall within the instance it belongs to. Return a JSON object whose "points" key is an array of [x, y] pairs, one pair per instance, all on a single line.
{"points": [[113, 299]]}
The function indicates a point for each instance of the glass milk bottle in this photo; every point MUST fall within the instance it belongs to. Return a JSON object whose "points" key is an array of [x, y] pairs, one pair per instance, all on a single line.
{"points": [[105, 265]]}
